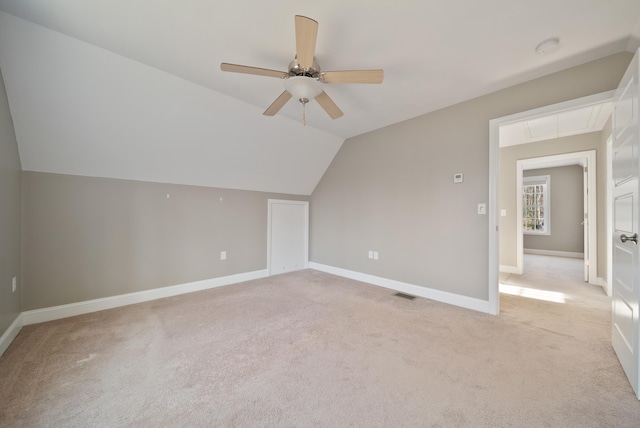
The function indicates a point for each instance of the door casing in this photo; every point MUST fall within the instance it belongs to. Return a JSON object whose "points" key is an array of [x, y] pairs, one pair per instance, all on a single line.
{"points": [[586, 159]]}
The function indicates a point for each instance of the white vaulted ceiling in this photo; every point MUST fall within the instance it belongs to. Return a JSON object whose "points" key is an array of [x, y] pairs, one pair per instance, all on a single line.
{"points": [[133, 89]]}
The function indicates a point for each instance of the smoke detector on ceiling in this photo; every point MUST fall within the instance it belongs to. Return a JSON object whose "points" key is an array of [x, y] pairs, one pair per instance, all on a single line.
{"points": [[548, 46]]}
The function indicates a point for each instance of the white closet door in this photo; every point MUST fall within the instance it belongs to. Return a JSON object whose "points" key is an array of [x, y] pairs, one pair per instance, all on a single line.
{"points": [[288, 240]]}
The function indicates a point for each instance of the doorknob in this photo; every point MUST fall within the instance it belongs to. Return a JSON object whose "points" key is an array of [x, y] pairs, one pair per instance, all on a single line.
{"points": [[633, 238]]}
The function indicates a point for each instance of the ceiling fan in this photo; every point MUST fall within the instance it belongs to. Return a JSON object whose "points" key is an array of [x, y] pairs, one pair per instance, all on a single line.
{"points": [[304, 80]]}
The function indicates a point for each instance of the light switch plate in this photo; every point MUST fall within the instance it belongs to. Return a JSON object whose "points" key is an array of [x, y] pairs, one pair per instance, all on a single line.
{"points": [[458, 177], [482, 208], [503, 212]]}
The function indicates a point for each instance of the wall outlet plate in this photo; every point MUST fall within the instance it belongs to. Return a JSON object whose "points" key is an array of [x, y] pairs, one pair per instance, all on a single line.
{"points": [[223, 255], [458, 177]]}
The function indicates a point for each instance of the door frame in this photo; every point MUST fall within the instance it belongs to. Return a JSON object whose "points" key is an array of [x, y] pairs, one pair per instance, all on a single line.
{"points": [[494, 165], [270, 204], [586, 159], [609, 279]]}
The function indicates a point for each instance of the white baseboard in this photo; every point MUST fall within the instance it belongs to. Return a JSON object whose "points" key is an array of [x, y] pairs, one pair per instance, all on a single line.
{"points": [[510, 269], [415, 290], [554, 253], [10, 334], [79, 308], [63, 311]]}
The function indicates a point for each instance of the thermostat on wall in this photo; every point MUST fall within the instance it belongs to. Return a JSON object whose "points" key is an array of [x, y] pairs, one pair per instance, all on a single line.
{"points": [[457, 177]]}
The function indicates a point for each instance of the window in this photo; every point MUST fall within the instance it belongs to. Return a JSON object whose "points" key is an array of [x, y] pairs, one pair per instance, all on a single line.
{"points": [[535, 205]]}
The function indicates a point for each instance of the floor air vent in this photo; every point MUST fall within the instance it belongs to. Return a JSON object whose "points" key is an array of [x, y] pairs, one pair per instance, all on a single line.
{"points": [[405, 296]]}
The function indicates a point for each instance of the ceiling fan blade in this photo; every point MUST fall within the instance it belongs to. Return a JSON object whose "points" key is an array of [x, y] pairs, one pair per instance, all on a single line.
{"points": [[329, 106], [353, 76], [235, 68], [277, 104], [306, 34]]}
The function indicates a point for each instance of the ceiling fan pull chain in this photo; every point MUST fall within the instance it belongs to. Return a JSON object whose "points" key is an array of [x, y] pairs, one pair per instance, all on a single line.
{"points": [[304, 114]]}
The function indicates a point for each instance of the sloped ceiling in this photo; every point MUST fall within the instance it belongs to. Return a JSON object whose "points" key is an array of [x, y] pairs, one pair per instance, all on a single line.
{"points": [[133, 89]]}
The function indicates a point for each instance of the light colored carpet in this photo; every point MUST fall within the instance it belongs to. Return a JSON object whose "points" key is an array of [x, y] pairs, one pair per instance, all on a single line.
{"points": [[312, 349]]}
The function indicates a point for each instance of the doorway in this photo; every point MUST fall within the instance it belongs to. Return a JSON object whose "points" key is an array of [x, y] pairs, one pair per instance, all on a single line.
{"points": [[494, 170], [588, 193]]}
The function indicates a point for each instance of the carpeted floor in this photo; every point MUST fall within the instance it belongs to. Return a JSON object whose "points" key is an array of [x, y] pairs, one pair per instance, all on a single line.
{"points": [[312, 349]]}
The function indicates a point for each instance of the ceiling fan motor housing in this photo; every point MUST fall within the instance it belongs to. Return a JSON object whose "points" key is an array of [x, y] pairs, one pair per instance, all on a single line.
{"points": [[296, 70]]}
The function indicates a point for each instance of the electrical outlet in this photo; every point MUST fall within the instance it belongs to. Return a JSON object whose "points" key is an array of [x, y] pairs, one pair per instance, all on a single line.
{"points": [[223, 255], [14, 284]]}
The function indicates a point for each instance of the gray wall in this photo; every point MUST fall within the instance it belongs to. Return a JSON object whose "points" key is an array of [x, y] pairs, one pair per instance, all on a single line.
{"points": [[566, 211], [10, 217], [86, 238], [391, 190], [507, 192]]}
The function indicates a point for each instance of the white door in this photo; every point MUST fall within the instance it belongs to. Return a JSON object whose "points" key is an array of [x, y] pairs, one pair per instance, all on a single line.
{"points": [[626, 267], [288, 236]]}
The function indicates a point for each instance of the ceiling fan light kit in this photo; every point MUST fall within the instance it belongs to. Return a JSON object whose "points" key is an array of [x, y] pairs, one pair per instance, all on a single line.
{"points": [[303, 80], [303, 88]]}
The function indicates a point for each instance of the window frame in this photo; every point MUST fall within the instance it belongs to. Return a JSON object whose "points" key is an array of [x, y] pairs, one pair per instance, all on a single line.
{"points": [[544, 180]]}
